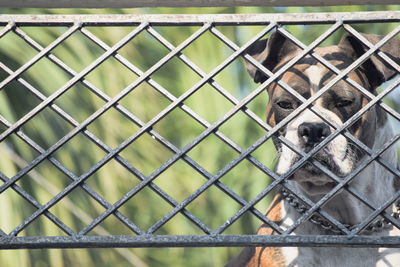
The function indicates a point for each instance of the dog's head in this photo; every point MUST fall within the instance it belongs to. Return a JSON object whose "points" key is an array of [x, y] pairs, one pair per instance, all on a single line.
{"points": [[337, 105]]}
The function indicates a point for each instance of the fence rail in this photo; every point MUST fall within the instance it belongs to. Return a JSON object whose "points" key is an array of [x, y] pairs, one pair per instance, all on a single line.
{"points": [[207, 23], [215, 19], [196, 241], [181, 3]]}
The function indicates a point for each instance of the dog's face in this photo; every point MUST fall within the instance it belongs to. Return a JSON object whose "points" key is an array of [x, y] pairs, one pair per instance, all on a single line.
{"points": [[337, 105]]}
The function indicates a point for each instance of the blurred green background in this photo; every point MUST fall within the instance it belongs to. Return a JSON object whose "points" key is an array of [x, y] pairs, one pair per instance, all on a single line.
{"points": [[146, 154]]}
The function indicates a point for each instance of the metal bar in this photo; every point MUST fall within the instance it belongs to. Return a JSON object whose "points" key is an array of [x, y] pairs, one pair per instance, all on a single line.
{"points": [[339, 186], [70, 83], [97, 141], [250, 114], [212, 82], [214, 238], [354, 172], [44, 104], [20, 191], [171, 97], [346, 133], [199, 19], [55, 162], [342, 74], [375, 213], [215, 125], [384, 206], [380, 54], [390, 218], [224, 170], [168, 109], [209, 130], [95, 115], [229, 222], [41, 242], [362, 198], [40, 55], [202, 74], [195, 116], [7, 29], [331, 67], [178, 3], [347, 124], [223, 92], [392, 169], [366, 92]]}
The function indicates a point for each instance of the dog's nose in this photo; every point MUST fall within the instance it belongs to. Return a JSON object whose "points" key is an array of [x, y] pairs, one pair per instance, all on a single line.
{"points": [[313, 133]]}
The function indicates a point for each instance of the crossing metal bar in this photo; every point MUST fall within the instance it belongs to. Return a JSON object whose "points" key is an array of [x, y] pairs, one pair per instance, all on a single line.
{"points": [[98, 142], [207, 23], [315, 110]]}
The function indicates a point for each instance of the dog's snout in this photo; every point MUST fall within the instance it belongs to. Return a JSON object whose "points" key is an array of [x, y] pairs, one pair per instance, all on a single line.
{"points": [[313, 133]]}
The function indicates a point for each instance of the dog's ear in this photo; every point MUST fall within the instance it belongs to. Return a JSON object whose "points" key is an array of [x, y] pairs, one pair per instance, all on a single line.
{"points": [[269, 52], [376, 70]]}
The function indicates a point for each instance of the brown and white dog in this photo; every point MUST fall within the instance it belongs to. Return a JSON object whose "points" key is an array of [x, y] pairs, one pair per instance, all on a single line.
{"points": [[340, 156]]}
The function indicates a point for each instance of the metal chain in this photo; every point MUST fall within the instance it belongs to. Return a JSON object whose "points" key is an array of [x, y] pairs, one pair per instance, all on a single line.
{"points": [[374, 226]]}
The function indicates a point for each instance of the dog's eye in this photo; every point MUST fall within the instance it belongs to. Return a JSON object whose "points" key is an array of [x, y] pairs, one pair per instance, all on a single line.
{"points": [[285, 104], [343, 103]]}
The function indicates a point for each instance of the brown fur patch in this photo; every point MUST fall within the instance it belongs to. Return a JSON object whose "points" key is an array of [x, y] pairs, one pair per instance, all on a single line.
{"points": [[263, 256], [269, 256]]}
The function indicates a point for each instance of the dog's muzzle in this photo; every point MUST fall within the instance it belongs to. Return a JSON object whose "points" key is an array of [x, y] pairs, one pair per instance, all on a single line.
{"points": [[311, 134], [305, 132]]}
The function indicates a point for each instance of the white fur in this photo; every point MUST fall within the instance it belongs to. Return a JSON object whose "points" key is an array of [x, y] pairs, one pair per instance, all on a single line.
{"points": [[315, 74], [375, 183], [337, 147]]}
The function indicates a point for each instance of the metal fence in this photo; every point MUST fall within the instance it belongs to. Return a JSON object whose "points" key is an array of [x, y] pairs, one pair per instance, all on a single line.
{"points": [[146, 237]]}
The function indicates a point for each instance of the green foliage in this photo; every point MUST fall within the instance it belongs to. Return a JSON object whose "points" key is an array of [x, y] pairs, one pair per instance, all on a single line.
{"points": [[145, 154]]}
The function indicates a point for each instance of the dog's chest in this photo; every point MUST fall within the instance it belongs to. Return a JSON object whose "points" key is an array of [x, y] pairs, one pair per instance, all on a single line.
{"points": [[390, 255], [334, 257], [343, 257], [338, 256]]}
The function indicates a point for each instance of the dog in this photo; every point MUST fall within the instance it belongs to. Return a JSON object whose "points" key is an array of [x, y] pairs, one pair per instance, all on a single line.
{"points": [[340, 156]]}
